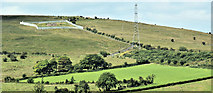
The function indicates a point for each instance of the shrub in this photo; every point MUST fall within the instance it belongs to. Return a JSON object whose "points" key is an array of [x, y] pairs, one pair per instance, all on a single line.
{"points": [[183, 49], [47, 82], [4, 59], [30, 80], [194, 38], [9, 79], [172, 40], [204, 43], [104, 53], [24, 76]]}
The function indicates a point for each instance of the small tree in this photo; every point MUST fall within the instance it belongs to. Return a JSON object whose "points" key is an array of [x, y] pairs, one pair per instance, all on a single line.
{"points": [[104, 53], [107, 81], [23, 55], [24, 76], [4, 59], [72, 80], [83, 86], [30, 80], [183, 49], [172, 40], [39, 88]]}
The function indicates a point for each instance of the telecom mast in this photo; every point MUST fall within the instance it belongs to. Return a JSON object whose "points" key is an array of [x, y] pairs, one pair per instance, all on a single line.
{"points": [[136, 31]]}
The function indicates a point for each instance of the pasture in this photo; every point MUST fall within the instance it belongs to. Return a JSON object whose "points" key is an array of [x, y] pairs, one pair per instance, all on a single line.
{"points": [[154, 35], [164, 74]]}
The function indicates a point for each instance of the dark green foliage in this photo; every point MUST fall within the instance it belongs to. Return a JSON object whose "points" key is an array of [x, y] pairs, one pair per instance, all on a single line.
{"points": [[183, 49], [204, 43], [194, 38], [12, 57], [23, 55], [83, 86], [93, 61], [30, 80], [150, 79], [104, 53], [172, 40], [169, 57], [107, 81], [72, 80], [9, 79], [39, 88], [62, 90], [24, 76], [4, 59], [60, 64]]}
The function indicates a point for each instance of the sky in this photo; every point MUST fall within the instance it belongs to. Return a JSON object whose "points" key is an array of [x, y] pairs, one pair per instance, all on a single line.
{"points": [[194, 15]]}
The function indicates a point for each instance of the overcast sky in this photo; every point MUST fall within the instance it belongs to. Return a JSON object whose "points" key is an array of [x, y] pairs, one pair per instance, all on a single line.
{"points": [[189, 15]]}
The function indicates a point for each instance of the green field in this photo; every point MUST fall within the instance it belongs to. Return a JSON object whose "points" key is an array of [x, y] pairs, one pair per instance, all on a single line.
{"points": [[164, 74]]}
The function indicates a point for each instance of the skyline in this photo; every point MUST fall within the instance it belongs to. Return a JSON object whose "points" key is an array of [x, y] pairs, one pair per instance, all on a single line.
{"points": [[188, 15]]}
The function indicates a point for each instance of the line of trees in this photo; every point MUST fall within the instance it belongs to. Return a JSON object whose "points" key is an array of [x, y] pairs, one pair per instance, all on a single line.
{"points": [[183, 57]]}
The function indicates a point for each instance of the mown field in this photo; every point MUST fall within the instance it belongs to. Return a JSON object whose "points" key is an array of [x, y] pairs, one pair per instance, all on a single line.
{"points": [[164, 74], [151, 34]]}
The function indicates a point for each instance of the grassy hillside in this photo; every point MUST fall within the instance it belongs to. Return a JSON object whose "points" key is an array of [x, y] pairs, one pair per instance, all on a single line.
{"points": [[204, 85], [73, 42], [151, 34]]}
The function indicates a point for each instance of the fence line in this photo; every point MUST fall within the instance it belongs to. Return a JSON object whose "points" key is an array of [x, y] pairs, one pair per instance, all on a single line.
{"points": [[34, 25]]}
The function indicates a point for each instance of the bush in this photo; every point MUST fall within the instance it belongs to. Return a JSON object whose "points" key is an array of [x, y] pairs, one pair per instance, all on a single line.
{"points": [[30, 80], [172, 40], [24, 76], [4, 59], [47, 82], [104, 53], [183, 49], [204, 43], [9, 79]]}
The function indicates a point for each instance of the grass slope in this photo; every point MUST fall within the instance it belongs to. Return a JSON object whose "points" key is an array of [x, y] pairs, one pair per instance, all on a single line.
{"points": [[204, 85], [151, 34], [73, 42], [164, 74]]}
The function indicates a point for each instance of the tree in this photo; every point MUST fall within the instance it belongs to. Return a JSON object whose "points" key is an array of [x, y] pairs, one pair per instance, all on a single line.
{"points": [[72, 80], [42, 67], [64, 63], [30, 80], [183, 49], [12, 57], [92, 61], [104, 53], [107, 81], [4, 59], [83, 86], [39, 88], [24, 76], [23, 55], [76, 88]]}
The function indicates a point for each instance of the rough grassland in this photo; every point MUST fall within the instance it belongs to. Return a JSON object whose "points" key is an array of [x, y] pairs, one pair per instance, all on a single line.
{"points": [[74, 43], [164, 74], [151, 34], [204, 85]]}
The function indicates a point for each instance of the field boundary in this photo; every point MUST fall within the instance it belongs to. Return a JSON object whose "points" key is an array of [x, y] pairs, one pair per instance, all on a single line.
{"points": [[166, 85]]}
